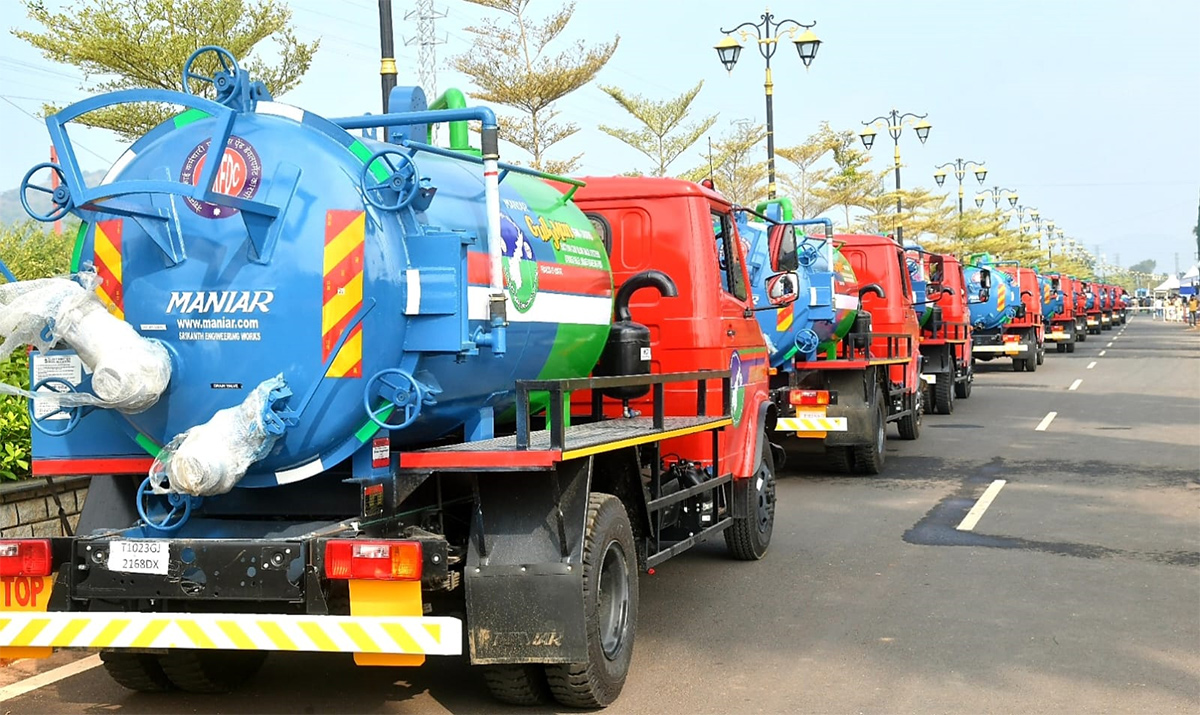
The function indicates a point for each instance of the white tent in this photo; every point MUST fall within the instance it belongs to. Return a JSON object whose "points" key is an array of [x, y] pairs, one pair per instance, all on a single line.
{"points": [[1192, 277], [1169, 284]]}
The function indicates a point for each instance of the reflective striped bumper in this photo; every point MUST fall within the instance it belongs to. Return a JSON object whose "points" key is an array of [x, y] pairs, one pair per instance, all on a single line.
{"points": [[821, 424], [234, 631]]}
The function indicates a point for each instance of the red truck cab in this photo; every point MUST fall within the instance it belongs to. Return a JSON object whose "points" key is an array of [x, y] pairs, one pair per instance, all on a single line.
{"points": [[1028, 324], [1095, 314], [946, 339], [1064, 330]]}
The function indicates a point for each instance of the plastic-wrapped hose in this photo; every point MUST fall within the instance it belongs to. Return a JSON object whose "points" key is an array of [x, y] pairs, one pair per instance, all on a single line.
{"points": [[129, 372]]}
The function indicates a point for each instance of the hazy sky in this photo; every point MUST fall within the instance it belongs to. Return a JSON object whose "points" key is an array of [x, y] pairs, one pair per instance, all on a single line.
{"points": [[1089, 109]]}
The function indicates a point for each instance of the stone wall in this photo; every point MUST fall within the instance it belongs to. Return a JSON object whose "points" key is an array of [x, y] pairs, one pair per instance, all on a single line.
{"points": [[28, 507]]}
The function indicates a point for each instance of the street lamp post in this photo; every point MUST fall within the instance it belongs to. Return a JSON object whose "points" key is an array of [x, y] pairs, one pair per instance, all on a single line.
{"points": [[996, 193], [960, 170], [767, 32], [894, 123]]}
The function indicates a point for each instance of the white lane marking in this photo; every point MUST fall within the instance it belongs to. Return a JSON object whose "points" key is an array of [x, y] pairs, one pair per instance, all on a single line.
{"points": [[1109, 345], [989, 494], [1075, 385], [50, 677], [1102, 352], [1091, 365], [1045, 422]]}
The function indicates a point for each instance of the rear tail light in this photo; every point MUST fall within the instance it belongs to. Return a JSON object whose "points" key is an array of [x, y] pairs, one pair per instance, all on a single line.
{"points": [[373, 560], [809, 397], [26, 557]]}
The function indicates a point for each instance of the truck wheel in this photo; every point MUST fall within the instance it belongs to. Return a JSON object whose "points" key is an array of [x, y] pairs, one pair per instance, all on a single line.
{"points": [[749, 536], [518, 684], [869, 458], [610, 601], [211, 671], [1070, 347], [910, 424], [840, 459], [136, 671], [1031, 364], [943, 394], [1060, 347], [1041, 355], [962, 390]]}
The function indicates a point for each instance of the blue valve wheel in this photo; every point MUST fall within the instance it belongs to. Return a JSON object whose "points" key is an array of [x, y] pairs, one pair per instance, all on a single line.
{"points": [[401, 186], [221, 81], [74, 413], [60, 198], [400, 391], [179, 508], [807, 341]]}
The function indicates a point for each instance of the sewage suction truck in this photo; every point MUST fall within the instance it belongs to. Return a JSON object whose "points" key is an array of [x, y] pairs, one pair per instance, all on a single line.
{"points": [[946, 337], [991, 318], [371, 397]]}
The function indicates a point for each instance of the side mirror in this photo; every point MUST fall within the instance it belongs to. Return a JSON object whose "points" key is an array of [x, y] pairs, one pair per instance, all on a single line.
{"points": [[782, 289], [937, 272], [781, 239], [872, 288]]}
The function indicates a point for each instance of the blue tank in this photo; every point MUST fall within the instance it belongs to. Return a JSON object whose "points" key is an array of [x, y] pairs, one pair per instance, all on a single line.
{"points": [[1052, 300], [920, 282], [828, 297], [353, 298], [1000, 307]]}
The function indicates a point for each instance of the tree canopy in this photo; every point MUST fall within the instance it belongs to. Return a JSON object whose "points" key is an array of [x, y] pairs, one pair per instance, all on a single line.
{"points": [[664, 135]]}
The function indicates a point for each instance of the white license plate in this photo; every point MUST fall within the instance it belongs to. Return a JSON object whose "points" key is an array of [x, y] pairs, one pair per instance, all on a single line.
{"points": [[139, 556], [810, 414]]}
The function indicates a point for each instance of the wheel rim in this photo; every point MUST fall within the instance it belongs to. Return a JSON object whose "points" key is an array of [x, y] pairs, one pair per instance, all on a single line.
{"points": [[613, 600], [880, 434], [766, 499]]}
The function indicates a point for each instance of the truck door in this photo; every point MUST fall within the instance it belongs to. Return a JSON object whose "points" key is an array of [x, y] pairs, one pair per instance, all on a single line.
{"points": [[744, 345]]}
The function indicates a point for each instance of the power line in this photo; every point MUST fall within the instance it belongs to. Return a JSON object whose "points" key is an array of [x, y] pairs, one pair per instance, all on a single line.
{"points": [[40, 122]]}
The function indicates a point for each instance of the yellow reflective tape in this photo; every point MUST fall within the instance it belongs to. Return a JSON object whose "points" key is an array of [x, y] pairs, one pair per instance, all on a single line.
{"points": [[197, 635], [340, 305], [318, 636], [149, 633], [240, 640], [66, 637], [107, 253], [352, 236], [109, 634], [360, 638], [30, 631], [402, 637], [435, 630], [277, 636], [347, 357]]}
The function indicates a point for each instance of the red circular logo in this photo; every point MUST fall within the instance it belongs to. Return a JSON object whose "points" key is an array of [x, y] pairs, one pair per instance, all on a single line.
{"points": [[239, 175]]}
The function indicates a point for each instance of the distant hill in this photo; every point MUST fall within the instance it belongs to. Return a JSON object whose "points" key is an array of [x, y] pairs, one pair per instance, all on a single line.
{"points": [[11, 210]]}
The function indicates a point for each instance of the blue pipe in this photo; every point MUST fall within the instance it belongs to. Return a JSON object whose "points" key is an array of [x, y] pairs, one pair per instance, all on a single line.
{"points": [[433, 116]]}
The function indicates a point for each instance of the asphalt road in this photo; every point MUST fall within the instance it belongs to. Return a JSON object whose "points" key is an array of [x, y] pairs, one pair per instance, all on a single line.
{"points": [[1078, 590]]}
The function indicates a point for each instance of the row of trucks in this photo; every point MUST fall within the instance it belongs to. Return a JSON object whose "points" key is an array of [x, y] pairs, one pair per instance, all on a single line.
{"points": [[403, 400]]}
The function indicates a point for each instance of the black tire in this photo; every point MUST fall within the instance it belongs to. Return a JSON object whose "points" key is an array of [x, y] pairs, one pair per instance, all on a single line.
{"points": [[1070, 347], [869, 458], [610, 601], [1031, 364], [518, 684], [749, 536], [1060, 347], [211, 671], [840, 459], [136, 671], [1041, 355], [962, 390], [1018, 364], [910, 424], [943, 394], [1081, 335]]}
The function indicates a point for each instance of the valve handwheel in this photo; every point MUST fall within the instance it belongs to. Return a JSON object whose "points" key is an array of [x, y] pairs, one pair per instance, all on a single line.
{"points": [[403, 181], [60, 197], [180, 507], [73, 412], [399, 390], [220, 80]]}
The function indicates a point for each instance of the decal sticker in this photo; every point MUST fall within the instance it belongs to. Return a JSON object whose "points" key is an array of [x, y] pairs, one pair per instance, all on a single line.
{"points": [[239, 175], [520, 266]]}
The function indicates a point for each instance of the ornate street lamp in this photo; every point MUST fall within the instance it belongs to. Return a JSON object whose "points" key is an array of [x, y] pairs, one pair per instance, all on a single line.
{"points": [[996, 193], [766, 33], [894, 122], [960, 170]]}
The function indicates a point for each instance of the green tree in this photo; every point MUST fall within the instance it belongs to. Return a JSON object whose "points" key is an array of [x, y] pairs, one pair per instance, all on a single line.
{"points": [[800, 182], [511, 65], [1146, 266], [144, 43], [851, 184], [737, 175], [663, 135]]}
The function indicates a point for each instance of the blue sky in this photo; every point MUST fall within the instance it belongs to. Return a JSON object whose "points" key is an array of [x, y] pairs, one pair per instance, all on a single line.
{"points": [[1089, 109]]}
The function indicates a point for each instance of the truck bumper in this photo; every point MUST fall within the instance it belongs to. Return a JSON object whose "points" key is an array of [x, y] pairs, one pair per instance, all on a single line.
{"points": [[1058, 336], [400, 635], [813, 427], [1005, 349]]}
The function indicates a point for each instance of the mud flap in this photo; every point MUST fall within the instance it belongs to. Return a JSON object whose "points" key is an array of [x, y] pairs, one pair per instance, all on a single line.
{"points": [[524, 576], [855, 402]]}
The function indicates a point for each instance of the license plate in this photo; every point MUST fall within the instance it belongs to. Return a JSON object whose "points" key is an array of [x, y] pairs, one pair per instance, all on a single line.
{"points": [[810, 414], [139, 556]]}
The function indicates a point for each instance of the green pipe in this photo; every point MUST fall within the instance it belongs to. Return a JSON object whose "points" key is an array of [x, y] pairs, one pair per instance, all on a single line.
{"points": [[454, 99]]}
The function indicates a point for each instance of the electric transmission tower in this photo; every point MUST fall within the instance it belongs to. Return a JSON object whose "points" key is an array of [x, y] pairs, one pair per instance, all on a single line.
{"points": [[427, 41]]}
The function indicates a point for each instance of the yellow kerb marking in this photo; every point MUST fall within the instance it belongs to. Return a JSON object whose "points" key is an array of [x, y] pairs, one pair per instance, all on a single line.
{"points": [[402, 638], [318, 637], [197, 635], [277, 636], [30, 631], [340, 247], [237, 635], [149, 633], [360, 638], [109, 634]]}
